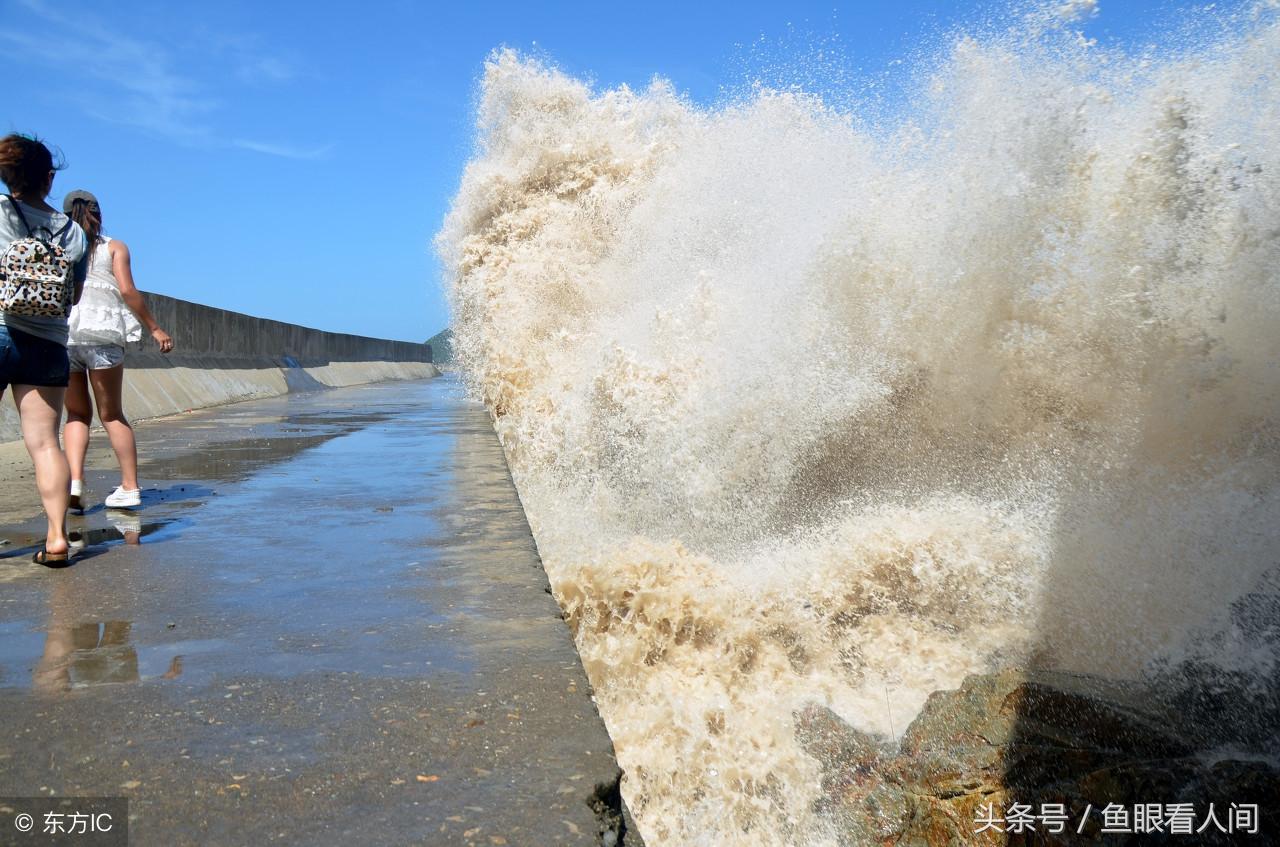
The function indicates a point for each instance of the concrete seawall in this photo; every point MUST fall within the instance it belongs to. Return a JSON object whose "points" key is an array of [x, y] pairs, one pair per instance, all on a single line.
{"points": [[224, 357]]}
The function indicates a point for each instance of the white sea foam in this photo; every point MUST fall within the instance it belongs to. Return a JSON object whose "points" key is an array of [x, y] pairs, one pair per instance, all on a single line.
{"points": [[809, 407]]}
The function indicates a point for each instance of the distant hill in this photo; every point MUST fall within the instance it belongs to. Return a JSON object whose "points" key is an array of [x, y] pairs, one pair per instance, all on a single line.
{"points": [[442, 347]]}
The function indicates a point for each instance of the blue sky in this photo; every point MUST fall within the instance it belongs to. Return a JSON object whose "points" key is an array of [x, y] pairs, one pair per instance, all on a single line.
{"points": [[246, 150]]}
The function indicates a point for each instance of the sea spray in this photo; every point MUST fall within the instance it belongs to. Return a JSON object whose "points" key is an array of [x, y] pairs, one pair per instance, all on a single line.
{"points": [[808, 405]]}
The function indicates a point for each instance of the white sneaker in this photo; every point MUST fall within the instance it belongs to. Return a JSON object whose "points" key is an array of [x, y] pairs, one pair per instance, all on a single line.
{"points": [[124, 498], [76, 501]]}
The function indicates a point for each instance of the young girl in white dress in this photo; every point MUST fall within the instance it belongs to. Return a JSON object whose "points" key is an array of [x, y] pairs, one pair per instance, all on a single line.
{"points": [[105, 319]]}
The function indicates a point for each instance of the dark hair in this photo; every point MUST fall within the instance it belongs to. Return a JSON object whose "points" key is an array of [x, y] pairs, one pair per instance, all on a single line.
{"points": [[25, 163], [82, 211]]}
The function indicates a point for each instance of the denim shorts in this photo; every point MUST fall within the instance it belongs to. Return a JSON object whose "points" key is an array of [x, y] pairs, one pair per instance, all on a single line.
{"points": [[94, 357], [27, 359]]}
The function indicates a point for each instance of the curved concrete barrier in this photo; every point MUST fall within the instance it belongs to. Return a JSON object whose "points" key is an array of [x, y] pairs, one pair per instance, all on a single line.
{"points": [[225, 357]]}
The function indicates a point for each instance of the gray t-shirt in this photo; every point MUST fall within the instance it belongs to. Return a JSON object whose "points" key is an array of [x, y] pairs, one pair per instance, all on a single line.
{"points": [[72, 241]]}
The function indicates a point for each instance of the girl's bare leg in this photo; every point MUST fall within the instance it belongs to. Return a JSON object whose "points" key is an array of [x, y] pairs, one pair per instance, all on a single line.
{"points": [[40, 408], [75, 435], [108, 386]]}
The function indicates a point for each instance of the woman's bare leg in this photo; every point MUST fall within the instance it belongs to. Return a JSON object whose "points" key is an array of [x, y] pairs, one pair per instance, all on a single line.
{"points": [[75, 435], [108, 386], [40, 408]]}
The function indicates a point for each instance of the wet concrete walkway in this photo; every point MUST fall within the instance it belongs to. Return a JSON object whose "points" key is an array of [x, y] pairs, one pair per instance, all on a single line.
{"points": [[328, 625]]}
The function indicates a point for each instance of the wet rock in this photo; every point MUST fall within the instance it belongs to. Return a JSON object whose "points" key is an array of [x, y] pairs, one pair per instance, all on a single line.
{"points": [[857, 786], [617, 829], [1010, 738], [1228, 706], [825, 735]]}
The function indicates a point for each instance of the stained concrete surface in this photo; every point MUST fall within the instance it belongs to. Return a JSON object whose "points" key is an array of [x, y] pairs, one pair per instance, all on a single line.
{"points": [[328, 625]]}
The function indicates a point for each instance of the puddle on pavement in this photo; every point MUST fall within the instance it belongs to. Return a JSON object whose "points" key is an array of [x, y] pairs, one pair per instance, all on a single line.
{"points": [[348, 421], [231, 461], [342, 593], [122, 527], [240, 458], [82, 654], [86, 654]]}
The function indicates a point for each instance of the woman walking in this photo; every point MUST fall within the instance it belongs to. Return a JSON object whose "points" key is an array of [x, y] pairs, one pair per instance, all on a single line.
{"points": [[42, 268], [106, 317]]}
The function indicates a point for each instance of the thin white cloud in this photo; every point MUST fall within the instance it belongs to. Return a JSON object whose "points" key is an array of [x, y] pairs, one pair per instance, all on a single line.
{"points": [[272, 70], [250, 61], [132, 81], [285, 151]]}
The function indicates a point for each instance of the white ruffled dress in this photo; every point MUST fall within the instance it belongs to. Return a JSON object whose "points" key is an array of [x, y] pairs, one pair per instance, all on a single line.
{"points": [[101, 317]]}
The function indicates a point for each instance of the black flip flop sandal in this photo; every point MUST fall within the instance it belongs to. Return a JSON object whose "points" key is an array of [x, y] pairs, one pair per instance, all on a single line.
{"points": [[51, 560]]}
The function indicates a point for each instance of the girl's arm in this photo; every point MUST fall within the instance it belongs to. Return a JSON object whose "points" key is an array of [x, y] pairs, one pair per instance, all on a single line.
{"points": [[123, 271]]}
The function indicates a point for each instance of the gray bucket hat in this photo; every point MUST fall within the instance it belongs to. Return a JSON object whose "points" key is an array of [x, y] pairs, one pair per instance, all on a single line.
{"points": [[78, 194]]}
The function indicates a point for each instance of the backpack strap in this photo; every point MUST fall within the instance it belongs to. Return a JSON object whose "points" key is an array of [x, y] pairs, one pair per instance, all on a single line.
{"points": [[31, 233], [17, 208]]}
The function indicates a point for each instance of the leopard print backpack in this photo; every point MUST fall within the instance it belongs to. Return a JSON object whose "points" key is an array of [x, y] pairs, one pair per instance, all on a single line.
{"points": [[35, 273]]}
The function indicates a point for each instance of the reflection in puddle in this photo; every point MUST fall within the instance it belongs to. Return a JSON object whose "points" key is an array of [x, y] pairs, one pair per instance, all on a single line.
{"points": [[127, 524], [122, 524], [86, 654], [88, 543]]}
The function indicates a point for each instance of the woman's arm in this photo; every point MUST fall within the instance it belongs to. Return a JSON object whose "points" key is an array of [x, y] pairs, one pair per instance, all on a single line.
{"points": [[120, 266]]}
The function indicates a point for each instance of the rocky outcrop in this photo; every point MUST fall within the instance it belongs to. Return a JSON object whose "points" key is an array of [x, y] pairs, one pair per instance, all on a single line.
{"points": [[1012, 738]]}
